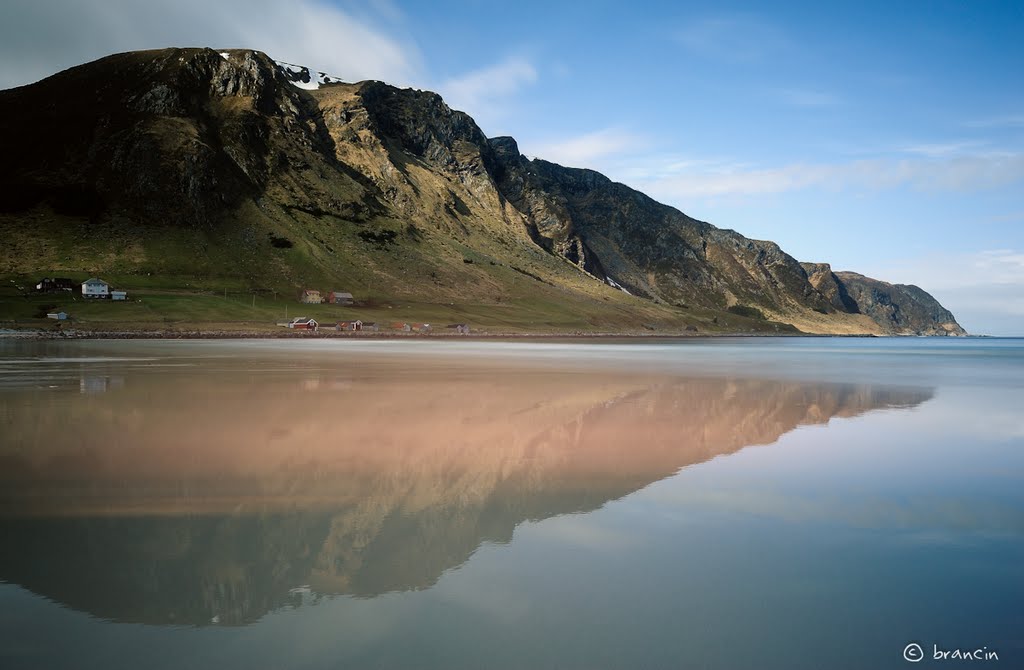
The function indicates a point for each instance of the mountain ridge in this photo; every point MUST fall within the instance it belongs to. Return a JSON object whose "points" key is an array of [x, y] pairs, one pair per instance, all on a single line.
{"points": [[391, 189]]}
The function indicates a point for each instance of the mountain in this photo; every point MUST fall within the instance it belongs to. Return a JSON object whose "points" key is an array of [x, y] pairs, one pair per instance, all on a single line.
{"points": [[194, 165]]}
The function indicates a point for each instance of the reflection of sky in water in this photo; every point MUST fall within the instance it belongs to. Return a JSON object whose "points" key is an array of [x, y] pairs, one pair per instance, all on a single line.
{"points": [[870, 515]]}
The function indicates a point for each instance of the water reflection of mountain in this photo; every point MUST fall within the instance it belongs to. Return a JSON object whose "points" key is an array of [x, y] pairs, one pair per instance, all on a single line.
{"points": [[178, 503]]}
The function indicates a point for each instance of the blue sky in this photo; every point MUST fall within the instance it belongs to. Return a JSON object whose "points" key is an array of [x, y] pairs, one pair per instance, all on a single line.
{"points": [[885, 138]]}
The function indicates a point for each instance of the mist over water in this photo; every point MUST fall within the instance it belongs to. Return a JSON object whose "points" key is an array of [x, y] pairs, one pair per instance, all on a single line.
{"points": [[721, 503]]}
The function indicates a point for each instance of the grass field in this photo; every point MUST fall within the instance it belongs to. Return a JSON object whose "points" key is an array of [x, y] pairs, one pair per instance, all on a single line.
{"points": [[233, 279], [175, 304]]}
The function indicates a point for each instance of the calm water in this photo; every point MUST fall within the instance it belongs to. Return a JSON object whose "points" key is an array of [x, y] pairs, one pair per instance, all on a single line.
{"points": [[791, 503]]}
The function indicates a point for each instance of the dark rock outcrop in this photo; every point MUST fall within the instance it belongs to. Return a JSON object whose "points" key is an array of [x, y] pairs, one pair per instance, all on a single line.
{"points": [[649, 248], [902, 309], [821, 277]]}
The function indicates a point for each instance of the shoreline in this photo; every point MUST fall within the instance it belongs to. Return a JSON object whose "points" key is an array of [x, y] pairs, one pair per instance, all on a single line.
{"points": [[221, 334]]}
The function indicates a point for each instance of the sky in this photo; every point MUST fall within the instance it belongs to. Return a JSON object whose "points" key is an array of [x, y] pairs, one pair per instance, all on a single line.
{"points": [[884, 138]]}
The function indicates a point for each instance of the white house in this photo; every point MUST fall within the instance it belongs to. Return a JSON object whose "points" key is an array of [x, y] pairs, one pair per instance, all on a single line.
{"points": [[349, 325], [95, 288], [311, 296]]}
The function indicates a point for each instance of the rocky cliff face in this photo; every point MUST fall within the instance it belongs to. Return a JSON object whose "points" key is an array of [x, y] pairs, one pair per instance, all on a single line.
{"points": [[901, 309], [626, 238], [172, 137], [385, 187]]}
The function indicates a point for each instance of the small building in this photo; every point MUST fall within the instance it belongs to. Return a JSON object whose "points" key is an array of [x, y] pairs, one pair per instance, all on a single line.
{"points": [[59, 316], [95, 288], [420, 327], [119, 295], [340, 298], [372, 327], [398, 325], [460, 328], [311, 296], [303, 323], [50, 285], [349, 325]]}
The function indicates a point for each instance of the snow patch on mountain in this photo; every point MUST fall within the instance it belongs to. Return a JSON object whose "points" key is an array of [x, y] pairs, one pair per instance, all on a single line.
{"points": [[615, 284], [304, 78]]}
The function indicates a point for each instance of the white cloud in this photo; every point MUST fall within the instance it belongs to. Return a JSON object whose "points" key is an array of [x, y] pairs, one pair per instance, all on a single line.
{"points": [[954, 172], [589, 149], [38, 39], [1009, 121], [1001, 266], [484, 91], [939, 149], [982, 268], [387, 9], [983, 289], [985, 309], [1006, 218], [651, 168], [799, 97], [962, 165], [737, 38]]}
